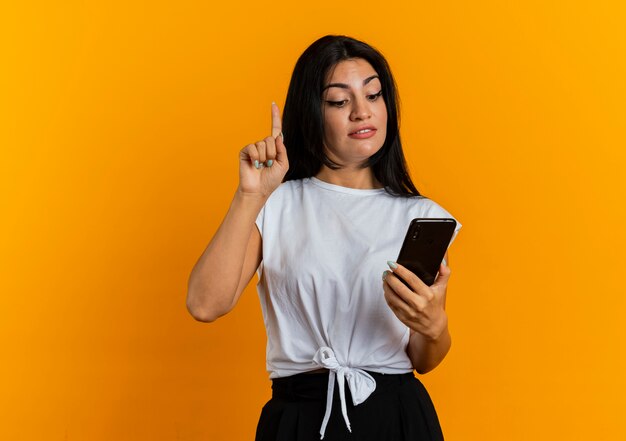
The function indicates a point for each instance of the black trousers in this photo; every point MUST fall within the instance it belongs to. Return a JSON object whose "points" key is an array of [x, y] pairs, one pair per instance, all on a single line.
{"points": [[399, 409]]}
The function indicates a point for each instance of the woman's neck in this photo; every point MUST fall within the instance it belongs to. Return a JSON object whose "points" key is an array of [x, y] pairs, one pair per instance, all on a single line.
{"points": [[362, 178]]}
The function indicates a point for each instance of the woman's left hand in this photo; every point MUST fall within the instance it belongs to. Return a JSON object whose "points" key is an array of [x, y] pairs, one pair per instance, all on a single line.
{"points": [[422, 307]]}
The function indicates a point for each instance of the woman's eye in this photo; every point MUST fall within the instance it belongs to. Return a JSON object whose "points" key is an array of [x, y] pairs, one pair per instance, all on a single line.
{"points": [[337, 103], [372, 97], [375, 96]]}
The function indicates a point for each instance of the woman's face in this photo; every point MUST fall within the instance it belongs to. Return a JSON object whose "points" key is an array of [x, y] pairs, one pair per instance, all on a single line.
{"points": [[352, 101]]}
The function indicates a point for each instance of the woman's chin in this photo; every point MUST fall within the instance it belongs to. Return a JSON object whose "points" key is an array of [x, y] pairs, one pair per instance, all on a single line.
{"points": [[355, 154], [368, 150]]}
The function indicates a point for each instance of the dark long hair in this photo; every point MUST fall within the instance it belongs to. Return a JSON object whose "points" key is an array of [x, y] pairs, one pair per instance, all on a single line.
{"points": [[303, 124]]}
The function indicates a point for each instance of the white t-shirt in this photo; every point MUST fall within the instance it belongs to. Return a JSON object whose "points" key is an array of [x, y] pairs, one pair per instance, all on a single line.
{"points": [[325, 248]]}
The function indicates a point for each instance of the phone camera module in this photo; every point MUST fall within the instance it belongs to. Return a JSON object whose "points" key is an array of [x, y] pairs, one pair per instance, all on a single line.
{"points": [[416, 233]]}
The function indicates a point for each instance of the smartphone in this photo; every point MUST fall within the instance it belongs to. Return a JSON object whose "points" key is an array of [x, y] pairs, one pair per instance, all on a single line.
{"points": [[424, 247]]}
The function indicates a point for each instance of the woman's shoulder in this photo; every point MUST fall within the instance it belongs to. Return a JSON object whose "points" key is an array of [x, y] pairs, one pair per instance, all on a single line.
{"points": [[422, 206], [285, 191], [293, 184], [425, 203], [288, 187], [431, 208]]}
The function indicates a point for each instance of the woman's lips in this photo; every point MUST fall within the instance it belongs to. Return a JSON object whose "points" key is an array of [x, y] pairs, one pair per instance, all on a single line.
{"points": [[365, 135]]}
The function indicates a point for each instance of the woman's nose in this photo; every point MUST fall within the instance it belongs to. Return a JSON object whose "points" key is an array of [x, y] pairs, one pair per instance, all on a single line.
{"points": [[361, 109]]}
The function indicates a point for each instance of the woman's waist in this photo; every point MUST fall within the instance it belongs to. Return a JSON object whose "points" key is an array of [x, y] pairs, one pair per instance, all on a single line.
{"points": [[313, 385], [305, 364]]}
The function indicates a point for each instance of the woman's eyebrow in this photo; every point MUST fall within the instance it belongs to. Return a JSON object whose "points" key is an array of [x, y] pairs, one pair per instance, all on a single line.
{"points": [[345, 86]]}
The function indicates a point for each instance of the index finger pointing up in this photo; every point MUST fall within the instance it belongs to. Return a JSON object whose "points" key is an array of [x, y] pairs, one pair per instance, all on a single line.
{"points": [[277, 125]]}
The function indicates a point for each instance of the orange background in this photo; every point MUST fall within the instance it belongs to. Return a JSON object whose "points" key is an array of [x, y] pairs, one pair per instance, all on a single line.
{"points": [[120, 130]]}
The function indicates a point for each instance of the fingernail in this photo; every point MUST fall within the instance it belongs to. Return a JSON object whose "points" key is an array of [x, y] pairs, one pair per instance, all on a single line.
{"points": [[392, 265], [273, 102], [385, 274], [256, 164], [270, 162], [261, 165], [444, 262]]}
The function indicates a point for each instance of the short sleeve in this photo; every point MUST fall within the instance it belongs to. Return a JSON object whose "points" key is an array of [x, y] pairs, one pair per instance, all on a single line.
{"points": [[259, 220]]}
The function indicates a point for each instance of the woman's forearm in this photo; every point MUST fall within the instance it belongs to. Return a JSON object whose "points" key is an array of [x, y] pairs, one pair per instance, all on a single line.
{"points": [[215, 277], [426, 353]]}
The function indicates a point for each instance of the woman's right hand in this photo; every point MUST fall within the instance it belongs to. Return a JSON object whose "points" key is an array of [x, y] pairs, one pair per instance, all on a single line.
{"points": [[263, 165]]}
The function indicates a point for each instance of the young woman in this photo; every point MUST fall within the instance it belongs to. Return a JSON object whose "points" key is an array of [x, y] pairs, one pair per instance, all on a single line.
{"points": [[322, 205]]}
